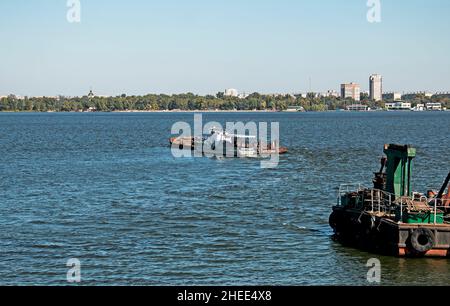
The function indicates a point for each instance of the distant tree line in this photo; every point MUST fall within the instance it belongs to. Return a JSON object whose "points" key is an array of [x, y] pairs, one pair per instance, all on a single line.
{"points": [[189, 101]]}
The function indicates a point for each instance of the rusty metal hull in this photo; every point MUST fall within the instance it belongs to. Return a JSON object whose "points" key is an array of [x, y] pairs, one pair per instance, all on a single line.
{"points": [[369, 232], [191, 143]]}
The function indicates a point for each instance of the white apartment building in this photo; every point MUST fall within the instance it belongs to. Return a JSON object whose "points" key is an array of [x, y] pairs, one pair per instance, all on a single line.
{"points": [[376, 87]]}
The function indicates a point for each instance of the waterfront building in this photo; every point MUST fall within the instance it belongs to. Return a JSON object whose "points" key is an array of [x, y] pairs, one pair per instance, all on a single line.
{"points": [[358, 108], [294, 108], [398, 106], [376, 87], [90, 110], [419, 108], [351, 90], [434, 106]]}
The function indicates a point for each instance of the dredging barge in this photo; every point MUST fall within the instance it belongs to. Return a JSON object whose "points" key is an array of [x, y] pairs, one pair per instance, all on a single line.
{"points": [[390, 218], [232, 145]]}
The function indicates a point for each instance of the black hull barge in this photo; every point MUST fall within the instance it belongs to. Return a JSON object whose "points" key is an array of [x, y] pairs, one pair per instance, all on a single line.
{"points": [[241, 145], [390, 219]]}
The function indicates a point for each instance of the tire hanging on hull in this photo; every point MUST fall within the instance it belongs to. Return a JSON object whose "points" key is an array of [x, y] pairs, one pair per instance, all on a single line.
{"points": [[422, 240]]}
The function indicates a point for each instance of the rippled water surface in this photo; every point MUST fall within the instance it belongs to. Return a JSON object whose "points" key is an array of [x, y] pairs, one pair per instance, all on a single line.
{"points": [[105, 188]]}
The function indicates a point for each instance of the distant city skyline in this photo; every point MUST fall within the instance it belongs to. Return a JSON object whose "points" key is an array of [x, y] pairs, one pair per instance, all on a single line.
{"points": [[138, 47]]}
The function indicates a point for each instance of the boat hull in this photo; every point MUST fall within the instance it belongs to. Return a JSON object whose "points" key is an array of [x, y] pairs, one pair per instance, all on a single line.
{"points": [[197, 144], [368, 232]]}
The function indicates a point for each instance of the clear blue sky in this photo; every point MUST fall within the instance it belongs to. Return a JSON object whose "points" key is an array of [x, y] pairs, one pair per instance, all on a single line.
{"points": [[205, 46]]}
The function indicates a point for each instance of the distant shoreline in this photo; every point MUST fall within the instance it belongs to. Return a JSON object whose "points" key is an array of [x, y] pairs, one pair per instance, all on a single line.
{"points": [[214, 111], [158, 111], [199, 111], [190, 103]]}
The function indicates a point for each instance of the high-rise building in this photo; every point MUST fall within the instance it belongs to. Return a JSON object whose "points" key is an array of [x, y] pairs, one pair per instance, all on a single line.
{"points": [[351, 90], [376, 87]]}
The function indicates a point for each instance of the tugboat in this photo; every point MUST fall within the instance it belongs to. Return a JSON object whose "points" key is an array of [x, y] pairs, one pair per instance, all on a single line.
{"points": [[390, 218], [241, 145]]}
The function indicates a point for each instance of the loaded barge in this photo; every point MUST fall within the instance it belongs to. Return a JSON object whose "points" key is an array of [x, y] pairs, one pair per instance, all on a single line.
{"points": [[232, 145], [390, 218]]}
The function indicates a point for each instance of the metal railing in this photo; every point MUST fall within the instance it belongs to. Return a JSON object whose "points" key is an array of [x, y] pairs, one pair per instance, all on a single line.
{"points": [[347, 188], [382, 202]]}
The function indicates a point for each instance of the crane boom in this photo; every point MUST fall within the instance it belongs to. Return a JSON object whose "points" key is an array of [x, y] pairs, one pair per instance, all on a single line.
{"points": [[447, 181]]}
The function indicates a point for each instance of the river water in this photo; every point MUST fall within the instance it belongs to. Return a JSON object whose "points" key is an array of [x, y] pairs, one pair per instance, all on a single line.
{"points": [[105, 189]]}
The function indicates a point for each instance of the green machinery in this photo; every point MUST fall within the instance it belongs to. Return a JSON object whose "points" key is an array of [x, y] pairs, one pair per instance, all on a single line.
{"points": [[398, 169], [398, 174]]}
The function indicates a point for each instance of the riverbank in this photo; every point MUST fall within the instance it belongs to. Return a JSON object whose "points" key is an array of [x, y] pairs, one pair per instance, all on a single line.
{"points": [[198, 111], [194, 103], [210, 111]]}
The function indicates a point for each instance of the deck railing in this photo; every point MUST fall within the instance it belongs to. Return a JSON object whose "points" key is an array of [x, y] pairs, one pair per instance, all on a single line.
{"points": [[383, 202], [346, 188]]}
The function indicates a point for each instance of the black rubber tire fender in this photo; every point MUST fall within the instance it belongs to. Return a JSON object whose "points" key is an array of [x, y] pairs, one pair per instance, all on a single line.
{"points": [[422, 240], [333, 221]]}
